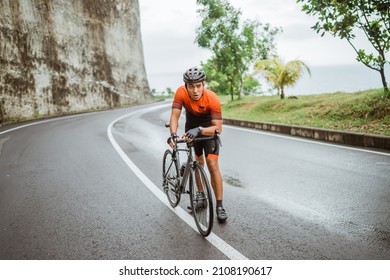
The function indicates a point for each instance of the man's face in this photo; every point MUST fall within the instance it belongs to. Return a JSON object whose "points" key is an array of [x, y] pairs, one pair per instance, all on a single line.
{"points": [[195, 90]]}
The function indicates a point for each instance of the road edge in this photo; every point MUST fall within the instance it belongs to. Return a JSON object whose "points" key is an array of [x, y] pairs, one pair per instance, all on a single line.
{"points": [[321, 134]]}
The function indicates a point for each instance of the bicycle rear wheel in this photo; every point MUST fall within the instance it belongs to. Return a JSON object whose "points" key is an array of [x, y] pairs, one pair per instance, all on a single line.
{"points": [[201, 200], [171, 178]]}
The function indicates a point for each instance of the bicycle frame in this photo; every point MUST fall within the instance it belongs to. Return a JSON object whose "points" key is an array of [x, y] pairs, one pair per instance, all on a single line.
{"points": [[189, 163], [194, 177], [190, 160]]}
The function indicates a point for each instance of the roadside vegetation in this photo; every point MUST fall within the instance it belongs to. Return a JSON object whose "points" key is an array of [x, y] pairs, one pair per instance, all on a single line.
{"points": [[280, 74], [346, 19], [363, 112], [242, 49]]}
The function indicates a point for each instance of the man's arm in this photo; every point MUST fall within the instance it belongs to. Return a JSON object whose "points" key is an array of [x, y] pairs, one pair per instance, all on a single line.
{"points": [[216, 125], [174, 121]]}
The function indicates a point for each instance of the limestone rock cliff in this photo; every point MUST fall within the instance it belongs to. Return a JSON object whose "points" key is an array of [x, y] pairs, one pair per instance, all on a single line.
{"points": [[65, 56]]}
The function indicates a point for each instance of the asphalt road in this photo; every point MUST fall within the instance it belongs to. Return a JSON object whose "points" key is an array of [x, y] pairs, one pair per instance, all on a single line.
{"points": [[88, 187]]}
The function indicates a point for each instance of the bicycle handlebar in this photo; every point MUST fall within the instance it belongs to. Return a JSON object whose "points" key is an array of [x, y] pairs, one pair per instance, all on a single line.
{"points": [[197, 139], [200, 139]]}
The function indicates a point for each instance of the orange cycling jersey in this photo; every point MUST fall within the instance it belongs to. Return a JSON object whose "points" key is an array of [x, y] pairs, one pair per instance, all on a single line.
{"points": [[200, 112]]}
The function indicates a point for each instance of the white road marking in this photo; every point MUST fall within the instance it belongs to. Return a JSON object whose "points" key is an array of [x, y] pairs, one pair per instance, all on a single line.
{"points": [[25, 125], [216, 241], [44, 121]]}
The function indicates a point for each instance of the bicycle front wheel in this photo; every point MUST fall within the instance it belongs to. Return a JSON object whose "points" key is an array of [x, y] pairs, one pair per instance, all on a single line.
{"points": [[201, 200], [171, 178]]}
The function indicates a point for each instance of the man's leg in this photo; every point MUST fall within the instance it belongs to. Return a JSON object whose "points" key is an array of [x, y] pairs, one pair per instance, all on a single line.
{"points": [[217, 184], [215, 177]]}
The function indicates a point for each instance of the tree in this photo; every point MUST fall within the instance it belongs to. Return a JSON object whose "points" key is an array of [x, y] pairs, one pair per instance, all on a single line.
{"points": [[343, 18], [234, 45], [281, 74], [170, 91], [251, 86], [216, 80]]}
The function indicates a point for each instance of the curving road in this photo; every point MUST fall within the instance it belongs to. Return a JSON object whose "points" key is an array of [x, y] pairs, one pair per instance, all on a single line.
{"points": [[88, 187]]}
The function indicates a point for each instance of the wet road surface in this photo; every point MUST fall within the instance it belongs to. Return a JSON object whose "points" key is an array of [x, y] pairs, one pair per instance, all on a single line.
{"points": [[65, 193]]}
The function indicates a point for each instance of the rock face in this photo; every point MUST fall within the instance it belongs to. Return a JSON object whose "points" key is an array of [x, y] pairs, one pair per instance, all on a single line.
{"points": [[65, 56]]}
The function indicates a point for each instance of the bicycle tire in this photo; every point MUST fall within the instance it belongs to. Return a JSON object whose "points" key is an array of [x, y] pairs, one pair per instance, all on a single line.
{"points": [[171, 178], [203, 216]]}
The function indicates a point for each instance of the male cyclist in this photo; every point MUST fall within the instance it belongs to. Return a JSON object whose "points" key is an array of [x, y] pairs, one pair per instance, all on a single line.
{"points": [[203, 118]]}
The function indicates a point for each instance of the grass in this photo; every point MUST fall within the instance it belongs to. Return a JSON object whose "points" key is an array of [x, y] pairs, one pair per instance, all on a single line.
{"points": [[364, 111]]}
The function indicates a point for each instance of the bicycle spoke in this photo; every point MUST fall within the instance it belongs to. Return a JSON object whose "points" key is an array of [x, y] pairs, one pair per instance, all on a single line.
{"points": [[171, 179], [201, 199]]}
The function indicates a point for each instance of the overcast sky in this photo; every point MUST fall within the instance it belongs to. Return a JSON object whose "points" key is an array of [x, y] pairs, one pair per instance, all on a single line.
{"points": [[169, 30]]}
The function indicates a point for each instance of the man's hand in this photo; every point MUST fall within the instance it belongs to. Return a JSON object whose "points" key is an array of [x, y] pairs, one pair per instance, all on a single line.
{"points": [[170, 139], [192, 133]]}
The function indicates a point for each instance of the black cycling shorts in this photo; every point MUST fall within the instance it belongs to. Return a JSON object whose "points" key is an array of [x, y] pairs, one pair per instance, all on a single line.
{"points": [[209, 147]]}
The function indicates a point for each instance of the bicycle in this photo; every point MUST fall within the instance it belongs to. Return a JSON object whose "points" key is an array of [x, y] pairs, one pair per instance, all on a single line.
{"points": [[175, 181]]}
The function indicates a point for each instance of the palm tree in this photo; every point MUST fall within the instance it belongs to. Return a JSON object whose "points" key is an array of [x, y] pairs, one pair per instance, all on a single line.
{"points": [[281, 74]]}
